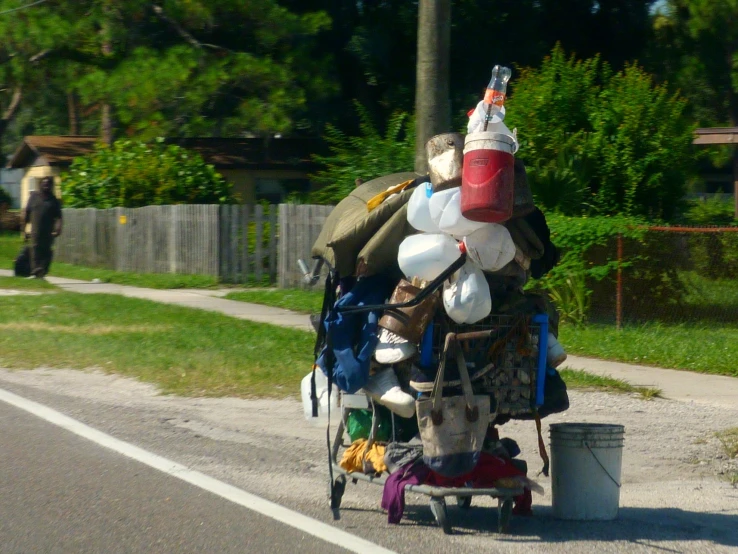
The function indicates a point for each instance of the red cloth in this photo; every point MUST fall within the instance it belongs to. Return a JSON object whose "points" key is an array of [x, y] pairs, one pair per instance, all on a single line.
{"points": [[487, 472]]}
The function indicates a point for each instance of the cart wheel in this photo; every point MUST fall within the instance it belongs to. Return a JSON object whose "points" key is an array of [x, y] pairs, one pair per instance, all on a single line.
{"points": [[337, 489], [463, 502], [438, 507], [504, 514]]}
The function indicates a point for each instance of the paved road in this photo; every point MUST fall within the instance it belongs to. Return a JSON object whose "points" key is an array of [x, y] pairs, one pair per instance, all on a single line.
{"points": [[62, 493], [56, 488]]}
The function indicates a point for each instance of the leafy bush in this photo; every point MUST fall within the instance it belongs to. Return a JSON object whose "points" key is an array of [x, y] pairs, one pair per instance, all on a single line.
{"points": [[367, 157], [599, 142], [713, 255], [711, 211], [133, 174], [583, 284]]}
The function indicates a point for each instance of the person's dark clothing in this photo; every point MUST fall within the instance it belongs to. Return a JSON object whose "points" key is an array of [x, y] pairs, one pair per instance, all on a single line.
{"points": [[42, 212]]}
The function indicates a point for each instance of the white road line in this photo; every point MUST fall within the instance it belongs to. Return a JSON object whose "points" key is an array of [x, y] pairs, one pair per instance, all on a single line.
{"points": [[252, 502]]}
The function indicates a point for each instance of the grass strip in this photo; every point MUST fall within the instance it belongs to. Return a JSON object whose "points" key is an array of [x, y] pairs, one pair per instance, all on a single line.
{"points": [[11, 245], [582, 380], [184, 351], [23, 284], [303, 301], [693, 347]]}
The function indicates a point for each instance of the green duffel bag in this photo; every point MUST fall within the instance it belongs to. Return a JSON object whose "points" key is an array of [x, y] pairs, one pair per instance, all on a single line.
{"points": [[351, 224]]}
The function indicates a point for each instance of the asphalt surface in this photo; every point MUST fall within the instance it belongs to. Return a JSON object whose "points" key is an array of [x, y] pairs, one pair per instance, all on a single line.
{"points": [[62, 493]]}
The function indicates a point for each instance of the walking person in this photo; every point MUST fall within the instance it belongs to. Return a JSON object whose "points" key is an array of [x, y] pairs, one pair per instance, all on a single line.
{"points": [[44, 214]]}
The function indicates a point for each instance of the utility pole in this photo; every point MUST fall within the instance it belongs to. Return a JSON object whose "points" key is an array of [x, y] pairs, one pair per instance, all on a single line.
{"points": [[432, 90]]}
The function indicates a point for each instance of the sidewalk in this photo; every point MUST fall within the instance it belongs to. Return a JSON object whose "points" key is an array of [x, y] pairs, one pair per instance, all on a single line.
{"points": [[191, 298], [675, 384]]}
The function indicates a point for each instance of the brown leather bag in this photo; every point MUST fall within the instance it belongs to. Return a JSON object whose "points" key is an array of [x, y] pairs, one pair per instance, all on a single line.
{"points": [[409, 323]]}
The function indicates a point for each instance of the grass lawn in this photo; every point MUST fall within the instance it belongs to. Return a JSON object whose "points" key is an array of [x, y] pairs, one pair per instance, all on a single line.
{"points": [[184, 351], [304, 301], [694, 347], [701, 347], [581, 380], [11, 244], [21, 283]]}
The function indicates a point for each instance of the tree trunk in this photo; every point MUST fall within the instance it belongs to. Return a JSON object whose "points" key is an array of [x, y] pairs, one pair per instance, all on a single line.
{"points": [[8, 116], [73, 117], [106, 123], [432, 94]]}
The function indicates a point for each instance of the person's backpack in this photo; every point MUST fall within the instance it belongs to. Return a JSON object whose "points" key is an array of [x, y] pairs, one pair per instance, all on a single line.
{"points": [[22, 265]]}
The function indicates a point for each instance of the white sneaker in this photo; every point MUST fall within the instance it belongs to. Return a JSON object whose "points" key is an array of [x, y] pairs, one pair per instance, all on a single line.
{"points": [[385, 389], [392, 348], [556, 354]]}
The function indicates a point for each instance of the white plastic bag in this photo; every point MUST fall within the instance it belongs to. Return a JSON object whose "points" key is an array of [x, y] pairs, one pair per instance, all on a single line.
{"points": [[418, 213], [490, 247], [427, 255], [321, 389], [445, 211], [466, 298]]}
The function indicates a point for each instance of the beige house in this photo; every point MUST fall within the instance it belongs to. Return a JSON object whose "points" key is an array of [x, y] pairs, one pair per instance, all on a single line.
{"points": [[259, 169]]}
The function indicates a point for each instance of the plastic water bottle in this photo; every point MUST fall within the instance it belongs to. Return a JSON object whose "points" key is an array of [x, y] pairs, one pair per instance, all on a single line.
{"points": [[494, 100], [466, 298], [445, 211], [491, 247], [418, 212], [426, 256]]}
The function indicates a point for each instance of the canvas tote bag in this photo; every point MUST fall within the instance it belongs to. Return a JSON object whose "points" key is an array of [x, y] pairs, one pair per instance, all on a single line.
{"points": [[453, 428]]}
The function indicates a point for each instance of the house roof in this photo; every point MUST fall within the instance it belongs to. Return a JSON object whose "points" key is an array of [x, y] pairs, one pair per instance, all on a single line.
{"points": [[55, 150], [716, 135], [223, 153]]}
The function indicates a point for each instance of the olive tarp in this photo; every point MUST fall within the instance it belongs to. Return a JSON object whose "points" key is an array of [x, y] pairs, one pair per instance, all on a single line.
{"points": [[358, 241]]}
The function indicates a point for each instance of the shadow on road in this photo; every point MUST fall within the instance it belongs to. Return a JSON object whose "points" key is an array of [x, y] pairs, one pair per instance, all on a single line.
{"points": [[634, 525]]}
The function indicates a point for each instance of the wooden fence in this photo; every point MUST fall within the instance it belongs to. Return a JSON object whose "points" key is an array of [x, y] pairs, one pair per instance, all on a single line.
{"points": [[237, 244], [299, 227]]}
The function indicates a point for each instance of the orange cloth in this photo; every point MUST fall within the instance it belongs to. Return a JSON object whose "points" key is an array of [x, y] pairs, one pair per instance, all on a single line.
{"points": [[358, 459]]}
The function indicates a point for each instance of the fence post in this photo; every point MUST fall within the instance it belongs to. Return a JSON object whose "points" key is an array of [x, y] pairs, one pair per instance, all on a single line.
{"points": [[273, 243], [619, 290]]}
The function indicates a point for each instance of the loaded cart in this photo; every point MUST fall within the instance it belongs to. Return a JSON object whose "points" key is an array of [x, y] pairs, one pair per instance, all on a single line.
{"points": [[428, 337], [514, 350], [500, 359]]}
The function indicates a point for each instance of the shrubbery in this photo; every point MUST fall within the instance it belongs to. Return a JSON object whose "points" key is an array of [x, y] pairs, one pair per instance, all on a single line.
{"points": [[600, 142], [367, 157], [133, 174]]}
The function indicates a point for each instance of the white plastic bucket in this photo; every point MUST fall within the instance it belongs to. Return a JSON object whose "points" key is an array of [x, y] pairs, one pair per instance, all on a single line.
{"points": [[586, 462]]}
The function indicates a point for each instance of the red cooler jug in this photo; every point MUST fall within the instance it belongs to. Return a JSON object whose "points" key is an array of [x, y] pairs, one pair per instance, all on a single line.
{"points": [[488, 177]]}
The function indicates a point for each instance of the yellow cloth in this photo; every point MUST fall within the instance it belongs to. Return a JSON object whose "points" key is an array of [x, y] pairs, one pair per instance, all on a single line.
{"points": [[382, 196], [355, 459]]}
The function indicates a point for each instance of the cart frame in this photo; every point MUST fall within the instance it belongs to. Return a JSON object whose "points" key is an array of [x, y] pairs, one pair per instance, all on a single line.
{"points": [[504, 496]]}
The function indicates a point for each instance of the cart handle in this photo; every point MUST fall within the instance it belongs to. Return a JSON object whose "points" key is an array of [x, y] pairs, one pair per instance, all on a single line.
{"points": [[434, 285]]}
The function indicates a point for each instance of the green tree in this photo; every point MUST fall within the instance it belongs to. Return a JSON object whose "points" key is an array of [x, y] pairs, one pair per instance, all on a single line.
{"points": [[133, 174], [598, 141], [698, 49], [181, 67]]}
